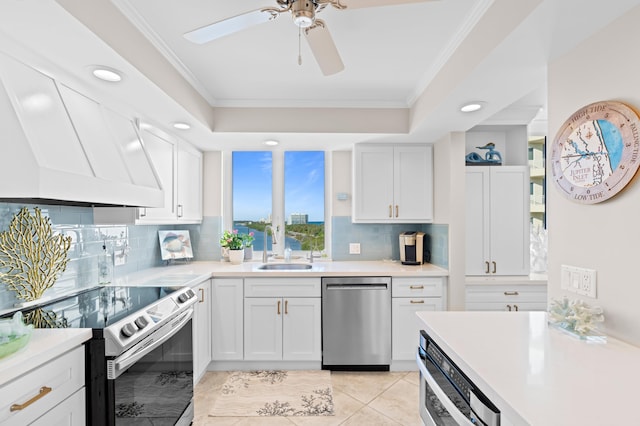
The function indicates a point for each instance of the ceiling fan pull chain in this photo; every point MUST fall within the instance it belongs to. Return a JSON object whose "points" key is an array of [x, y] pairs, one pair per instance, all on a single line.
{"points": [[299, 45]]}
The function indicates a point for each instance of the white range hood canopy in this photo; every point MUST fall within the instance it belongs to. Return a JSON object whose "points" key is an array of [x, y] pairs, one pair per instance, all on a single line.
{"points": [[60, 146]]}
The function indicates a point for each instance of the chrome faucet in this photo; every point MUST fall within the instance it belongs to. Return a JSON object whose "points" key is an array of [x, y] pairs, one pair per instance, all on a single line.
{"points": [[274, 240]]}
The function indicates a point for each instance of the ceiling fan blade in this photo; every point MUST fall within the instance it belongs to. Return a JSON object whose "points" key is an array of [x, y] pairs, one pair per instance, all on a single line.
{"points": [[358, 4], [324, 49], [229, 26]]}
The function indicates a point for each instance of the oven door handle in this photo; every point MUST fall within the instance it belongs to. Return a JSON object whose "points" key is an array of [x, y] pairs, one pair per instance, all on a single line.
{"points": [[144, 347], [460, 418]]}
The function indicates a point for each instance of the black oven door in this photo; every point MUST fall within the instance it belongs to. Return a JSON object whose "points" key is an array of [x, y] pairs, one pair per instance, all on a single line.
{"points": [[155, 385]]}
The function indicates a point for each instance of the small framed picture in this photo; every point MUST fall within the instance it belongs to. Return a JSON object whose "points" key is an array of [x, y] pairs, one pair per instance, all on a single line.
{"points": [[175, 245]]}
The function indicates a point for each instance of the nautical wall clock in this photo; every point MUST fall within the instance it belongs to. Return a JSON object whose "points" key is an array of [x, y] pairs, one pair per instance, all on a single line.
{"points": [[595, 153]]}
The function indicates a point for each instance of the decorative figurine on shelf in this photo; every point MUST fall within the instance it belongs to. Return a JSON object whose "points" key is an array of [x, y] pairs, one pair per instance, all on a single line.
{"points": [[575, 316], [491, 157]]}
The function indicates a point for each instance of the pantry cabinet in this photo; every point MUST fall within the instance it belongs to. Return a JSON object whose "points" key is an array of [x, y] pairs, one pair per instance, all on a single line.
{"points": [[392, 183], [497, 220], [282, 319], [202, 330], [408, 296], [227, 319]]}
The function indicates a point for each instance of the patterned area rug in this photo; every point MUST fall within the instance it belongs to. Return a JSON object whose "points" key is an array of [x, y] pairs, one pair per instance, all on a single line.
{"points": [[275, 393]]}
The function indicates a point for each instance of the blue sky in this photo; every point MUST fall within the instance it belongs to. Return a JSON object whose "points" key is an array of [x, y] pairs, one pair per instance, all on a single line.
{"points": [[304, 184]]}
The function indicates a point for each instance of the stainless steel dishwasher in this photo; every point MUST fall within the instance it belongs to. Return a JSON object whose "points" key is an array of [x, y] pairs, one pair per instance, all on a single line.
{"points": [[356, 323]]}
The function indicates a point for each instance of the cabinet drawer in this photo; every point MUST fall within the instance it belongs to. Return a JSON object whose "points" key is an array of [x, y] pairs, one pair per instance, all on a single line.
{"points": [[53, 381], [282, 287], [506, 294], [513, 307], [70, 412], [416, 287]]}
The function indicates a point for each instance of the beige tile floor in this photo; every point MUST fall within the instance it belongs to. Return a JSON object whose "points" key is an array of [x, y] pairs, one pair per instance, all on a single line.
{"points": [[360, 398]]}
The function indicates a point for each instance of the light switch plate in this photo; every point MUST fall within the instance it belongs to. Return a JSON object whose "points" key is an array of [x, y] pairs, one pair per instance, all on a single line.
{"points": [[354, 248]]}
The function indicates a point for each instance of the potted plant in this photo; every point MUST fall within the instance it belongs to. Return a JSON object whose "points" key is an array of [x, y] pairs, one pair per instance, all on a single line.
{"points": [[247, 240], [231, 243]]}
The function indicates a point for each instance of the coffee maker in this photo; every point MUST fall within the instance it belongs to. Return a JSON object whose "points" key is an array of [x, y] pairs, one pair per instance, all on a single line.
{"points": [[412, 248]]}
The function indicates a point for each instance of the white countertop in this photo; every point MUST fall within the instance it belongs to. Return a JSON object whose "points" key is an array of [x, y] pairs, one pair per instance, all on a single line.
{"points": [[195, 272], [538, 375], [44, 345]]}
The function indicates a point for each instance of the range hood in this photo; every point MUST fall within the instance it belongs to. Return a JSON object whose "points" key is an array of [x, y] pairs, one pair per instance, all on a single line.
{"points": [[60, 146]]}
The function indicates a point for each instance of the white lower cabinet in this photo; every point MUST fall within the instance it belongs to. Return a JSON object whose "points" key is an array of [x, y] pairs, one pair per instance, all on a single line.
{"points": [[514, 298], [411, 295], [202, 330], [227, 319], [51, 394], [282, 319]]}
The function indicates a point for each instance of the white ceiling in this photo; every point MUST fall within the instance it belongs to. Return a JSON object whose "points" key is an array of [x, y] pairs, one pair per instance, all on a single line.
{"points": [[408, 68]]}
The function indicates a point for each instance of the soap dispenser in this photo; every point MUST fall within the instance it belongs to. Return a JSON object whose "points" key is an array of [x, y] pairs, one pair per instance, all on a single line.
{"points": [[105, 266]]}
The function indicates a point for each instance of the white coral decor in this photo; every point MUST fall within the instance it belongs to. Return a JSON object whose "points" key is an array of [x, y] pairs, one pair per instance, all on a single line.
{"points": [[576, 315]]}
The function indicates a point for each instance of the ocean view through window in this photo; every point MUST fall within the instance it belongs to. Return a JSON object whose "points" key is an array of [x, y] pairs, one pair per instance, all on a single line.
{"points": [[302, 190]]}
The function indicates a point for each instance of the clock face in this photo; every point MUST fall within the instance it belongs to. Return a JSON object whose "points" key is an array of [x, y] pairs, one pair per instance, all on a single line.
{"points": [[595, 154]]}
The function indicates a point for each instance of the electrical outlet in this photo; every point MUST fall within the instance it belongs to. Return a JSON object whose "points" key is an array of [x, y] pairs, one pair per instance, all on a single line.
{"points": [[354, 248], [588, 283]]}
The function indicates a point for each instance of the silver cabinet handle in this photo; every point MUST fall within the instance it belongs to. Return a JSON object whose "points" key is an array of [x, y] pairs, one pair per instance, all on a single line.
{"points": [[509, 308], [278, 307], [201, 295], [515, 307], [511, 293], [417, 301], [180, 213], [487, 265], [286, 307], [494, 267], [416, 287], [397, 211], [390, 211]]}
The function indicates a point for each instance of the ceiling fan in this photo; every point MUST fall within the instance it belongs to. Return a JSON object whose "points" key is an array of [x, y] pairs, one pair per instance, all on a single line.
{"points": [[303, 13]]}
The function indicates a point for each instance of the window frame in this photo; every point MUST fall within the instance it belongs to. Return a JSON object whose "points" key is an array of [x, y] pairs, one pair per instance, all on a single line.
{"points": [[277, 194]]}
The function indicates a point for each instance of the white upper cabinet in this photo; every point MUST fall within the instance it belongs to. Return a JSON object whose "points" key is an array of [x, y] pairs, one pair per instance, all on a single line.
{"points": [[66, 146], [497, 220], [392, 183], [178, 166]]}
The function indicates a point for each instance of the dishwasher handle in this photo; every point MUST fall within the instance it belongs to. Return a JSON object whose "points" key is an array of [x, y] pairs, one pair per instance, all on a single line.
{"points": [[363, 286]]}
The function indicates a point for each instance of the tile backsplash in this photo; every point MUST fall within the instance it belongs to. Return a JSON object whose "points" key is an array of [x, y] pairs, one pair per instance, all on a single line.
{"points": [[136, 247]]}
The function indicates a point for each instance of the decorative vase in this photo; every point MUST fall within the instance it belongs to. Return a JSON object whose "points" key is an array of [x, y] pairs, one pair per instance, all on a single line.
{"points": [[225, 253], [248, 253], [236, 257]]}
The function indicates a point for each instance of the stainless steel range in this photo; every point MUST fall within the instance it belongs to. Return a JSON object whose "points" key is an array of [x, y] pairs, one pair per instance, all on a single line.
{"points": [[139, 363]]}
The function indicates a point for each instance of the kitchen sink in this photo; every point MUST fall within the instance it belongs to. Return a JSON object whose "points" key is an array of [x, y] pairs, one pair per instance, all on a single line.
{"points": [[285, 266]]}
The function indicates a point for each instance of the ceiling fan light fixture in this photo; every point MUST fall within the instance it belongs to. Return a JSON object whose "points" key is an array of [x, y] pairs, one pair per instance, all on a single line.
{"points": [[304, 13]]}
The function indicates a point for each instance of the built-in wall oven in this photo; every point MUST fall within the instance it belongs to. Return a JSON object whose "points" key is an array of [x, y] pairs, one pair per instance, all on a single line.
{"points": [[447, 396], [139, 362]]}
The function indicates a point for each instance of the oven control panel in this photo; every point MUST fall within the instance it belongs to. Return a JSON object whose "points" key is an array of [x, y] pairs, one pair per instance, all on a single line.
{"points": [[448, 368], [130, 330]]}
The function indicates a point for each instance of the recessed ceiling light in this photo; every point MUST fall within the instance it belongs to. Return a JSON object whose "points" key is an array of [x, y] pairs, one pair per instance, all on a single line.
{"points": [[181, 125], [271, 142], [107, 74], [471, 107]]}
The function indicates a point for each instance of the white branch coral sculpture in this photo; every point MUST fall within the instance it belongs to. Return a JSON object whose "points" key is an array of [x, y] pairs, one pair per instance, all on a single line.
{"points": [[576, 315], [31, 255]]}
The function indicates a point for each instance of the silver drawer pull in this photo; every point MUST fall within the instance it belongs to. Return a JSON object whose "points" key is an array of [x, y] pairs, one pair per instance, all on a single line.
{"points": [[510, 293], [43, 391], [417, 301], [416, 287]]}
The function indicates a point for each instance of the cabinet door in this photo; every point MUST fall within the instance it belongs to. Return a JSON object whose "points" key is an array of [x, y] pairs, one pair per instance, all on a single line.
{"points": [[201, 330], [301, 336], [189, 184], [163, 157], [70, 412], [227, 319], [477, 220], [263, 328], [413, 184], [510, 220], [373, 183], [405, 327]]}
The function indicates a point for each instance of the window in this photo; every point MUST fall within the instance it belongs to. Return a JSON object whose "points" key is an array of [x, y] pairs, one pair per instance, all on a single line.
{"points": [[285, 189]]}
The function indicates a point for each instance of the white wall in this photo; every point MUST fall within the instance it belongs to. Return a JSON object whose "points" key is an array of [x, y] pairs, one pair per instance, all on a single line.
{"points": [[449, 207], [603, 236]]}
